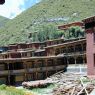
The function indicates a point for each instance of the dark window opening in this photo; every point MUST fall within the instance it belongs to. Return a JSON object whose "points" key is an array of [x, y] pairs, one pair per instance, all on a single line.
{"points": [[78, 48], [79, 60], [90, 25], [71, 60], [70, 49], [50, 62]]}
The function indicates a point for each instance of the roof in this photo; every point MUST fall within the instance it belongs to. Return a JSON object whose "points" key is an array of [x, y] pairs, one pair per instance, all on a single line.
{"points": [[34, 43], [70, 42], [13, 52], [89, 23], [66, 26], [89, 19]]}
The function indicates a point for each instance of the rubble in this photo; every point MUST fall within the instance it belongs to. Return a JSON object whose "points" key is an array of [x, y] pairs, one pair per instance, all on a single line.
{"points": [[72, 84], [66, 84]]}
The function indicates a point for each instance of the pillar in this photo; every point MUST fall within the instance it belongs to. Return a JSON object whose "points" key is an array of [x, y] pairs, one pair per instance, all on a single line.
{"points": [[46, 67], [25, 68], [36, 72], [84, 59], [8, 74], [55, 64], [82, 46], [89, 29], [90, 52], [75, 60]]}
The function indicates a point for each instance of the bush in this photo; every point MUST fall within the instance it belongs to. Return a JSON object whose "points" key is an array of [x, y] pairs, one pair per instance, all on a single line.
{"points": [[3, 87]]}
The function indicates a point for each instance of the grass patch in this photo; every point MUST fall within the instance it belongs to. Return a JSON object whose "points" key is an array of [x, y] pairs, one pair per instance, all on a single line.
{"points": [[42, 91], [10, 90]]}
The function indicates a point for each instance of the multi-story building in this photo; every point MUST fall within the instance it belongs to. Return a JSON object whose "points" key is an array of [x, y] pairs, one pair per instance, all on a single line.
{"points": [[38, 60]]}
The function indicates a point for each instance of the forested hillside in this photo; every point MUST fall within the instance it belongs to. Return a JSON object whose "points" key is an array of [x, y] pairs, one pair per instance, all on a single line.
{"points": [[44, 15]]}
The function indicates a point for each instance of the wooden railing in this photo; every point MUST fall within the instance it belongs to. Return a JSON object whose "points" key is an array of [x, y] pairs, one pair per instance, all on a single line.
{"points": [[4, 72], [17, 71], [40, 69]]}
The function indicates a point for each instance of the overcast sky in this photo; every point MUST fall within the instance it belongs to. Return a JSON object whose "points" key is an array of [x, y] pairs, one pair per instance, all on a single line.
{"points": [[12, 8]]}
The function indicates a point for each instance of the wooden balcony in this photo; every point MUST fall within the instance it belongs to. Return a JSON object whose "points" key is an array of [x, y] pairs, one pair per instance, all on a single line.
{"points": [[59, 67], [74, 53], [43, 69], [32, 70], [5, 72], [14, 72]]}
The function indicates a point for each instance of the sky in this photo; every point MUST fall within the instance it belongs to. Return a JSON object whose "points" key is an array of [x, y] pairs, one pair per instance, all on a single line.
{"points": [[12, 8]]}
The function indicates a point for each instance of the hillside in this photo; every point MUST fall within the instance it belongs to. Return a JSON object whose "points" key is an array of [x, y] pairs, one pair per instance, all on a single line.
{"points": [[45, 13], [3, 21]]}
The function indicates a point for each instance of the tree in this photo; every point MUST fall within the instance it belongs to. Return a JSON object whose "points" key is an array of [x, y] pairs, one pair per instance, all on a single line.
{"points": [[74, 32], [49, 32]]}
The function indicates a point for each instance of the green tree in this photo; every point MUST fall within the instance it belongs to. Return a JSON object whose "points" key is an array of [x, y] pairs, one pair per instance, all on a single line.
{"points": [[74, 32], [49, 32]]}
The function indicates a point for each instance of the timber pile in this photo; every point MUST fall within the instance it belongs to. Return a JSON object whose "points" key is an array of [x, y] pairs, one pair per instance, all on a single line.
{"points": [[72, 84], [36, 84]]}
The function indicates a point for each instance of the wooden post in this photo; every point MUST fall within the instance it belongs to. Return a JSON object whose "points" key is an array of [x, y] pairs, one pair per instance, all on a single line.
{"points": [[82, 46], [74, 48], [35, 62], [25, 68], [75, 60], [67, 60], [46, 67], [21, 54], [55, 61], [66, 49], [84, 59], [54, 50], [8, 74]]}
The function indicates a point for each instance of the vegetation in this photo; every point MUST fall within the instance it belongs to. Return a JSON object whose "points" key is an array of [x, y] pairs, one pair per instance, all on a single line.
{"points": [[45, 13], [74, 32], [50, 32], [5, 90], [47, 33], [44, 91], [3, 21]]}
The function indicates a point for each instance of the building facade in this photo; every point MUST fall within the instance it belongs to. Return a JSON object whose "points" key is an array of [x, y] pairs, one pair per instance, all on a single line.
{"points": [[39, 60]]}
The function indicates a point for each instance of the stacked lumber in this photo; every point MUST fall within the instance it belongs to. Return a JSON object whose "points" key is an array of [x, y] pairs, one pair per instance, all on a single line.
{"points": [[66, 84], [74, 90], [72, 84], [36, 84]]}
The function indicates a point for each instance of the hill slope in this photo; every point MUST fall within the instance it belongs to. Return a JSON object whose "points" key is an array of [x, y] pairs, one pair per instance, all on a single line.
{"points": [[3, 20], [47, 12]]}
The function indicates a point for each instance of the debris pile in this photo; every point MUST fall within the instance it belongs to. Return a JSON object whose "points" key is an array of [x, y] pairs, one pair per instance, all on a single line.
{"points": [[72, 84], [36, 84], [66, 84]]}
